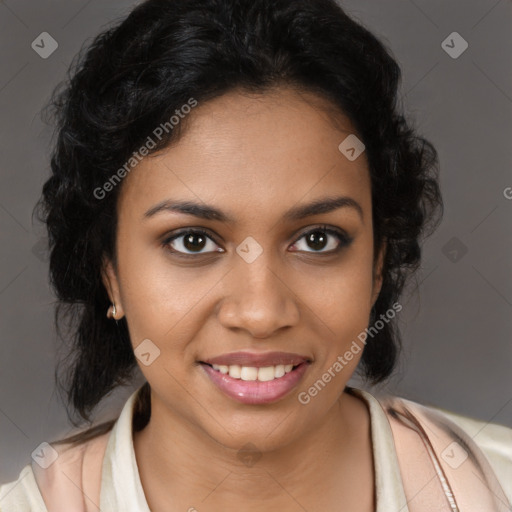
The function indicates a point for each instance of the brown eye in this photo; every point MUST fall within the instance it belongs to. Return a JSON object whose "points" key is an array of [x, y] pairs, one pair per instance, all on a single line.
{"points": [[323, 240], [194, 242], [190, 242], [317, 240]]}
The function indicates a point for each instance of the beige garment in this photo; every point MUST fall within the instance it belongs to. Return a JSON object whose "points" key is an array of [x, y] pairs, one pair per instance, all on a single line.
{"points": [[121, 488]]}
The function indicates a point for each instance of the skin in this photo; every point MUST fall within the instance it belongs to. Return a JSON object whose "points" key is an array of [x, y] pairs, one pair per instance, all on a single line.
{"points": [[253, 157]]}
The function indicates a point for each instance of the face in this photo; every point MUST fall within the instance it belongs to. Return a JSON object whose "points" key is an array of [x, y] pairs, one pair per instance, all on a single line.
{"points": [[247, 275]]}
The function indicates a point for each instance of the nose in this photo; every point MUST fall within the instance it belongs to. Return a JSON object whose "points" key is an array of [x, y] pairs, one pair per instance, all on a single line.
{"points": [[258, 299]]}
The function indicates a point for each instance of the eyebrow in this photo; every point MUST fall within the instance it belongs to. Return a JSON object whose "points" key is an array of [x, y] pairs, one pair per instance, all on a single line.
{"points": [[208, 212]]}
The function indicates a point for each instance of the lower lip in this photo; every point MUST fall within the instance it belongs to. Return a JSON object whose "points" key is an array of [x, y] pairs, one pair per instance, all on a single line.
{"points": [[254, 391]]}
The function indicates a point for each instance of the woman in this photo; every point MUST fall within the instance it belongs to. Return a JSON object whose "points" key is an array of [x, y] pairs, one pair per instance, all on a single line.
{"points": [[235, 206]]}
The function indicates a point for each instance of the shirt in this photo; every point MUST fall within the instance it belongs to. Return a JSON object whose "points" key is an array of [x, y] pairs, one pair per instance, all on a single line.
{"points": [[121, 488]]}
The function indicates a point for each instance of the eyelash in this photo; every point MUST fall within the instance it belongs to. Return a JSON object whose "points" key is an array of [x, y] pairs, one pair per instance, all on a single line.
{"points": [[343, 238]]}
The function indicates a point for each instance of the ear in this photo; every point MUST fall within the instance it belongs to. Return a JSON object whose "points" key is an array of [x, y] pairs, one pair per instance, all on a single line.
{"points": [[377, 272], [111, 283]]}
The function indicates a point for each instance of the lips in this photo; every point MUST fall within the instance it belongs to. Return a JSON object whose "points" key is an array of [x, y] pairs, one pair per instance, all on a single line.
{"points": [[257, 360], [256, 378], [256, 392]]}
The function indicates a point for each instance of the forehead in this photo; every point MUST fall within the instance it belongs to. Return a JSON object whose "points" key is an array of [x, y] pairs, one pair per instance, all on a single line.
{"points": [[253, 153]]}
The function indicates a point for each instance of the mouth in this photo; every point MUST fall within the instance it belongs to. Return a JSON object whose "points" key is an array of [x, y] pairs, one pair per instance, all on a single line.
{"points": [[256, 384]]}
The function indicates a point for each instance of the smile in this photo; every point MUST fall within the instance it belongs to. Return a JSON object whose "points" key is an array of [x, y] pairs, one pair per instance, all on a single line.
{"points": [[255, 385], [263, 374]]}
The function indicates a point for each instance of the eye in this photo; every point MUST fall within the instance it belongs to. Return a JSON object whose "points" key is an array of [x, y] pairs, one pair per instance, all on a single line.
{"points": [[323, 237], [190, 242]]}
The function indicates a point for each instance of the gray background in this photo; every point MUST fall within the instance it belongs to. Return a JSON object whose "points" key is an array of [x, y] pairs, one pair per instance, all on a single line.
{"points": [[456, 326]]}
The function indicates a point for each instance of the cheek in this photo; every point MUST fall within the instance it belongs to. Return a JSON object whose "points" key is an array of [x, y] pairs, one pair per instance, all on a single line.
{"points": [[342, 297], [156, 295]]}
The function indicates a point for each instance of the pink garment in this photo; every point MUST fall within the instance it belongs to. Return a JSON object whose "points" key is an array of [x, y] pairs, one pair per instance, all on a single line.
{"points": [[430, 448]]}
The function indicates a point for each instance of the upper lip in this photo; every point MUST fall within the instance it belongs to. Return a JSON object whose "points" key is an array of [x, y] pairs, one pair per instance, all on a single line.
{"points": [[257, 360]]}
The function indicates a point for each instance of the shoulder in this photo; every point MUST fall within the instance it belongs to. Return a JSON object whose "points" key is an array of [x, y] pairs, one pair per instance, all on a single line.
{"points": [[60, 473], [492, 437], [22, 495], [493, 440]]}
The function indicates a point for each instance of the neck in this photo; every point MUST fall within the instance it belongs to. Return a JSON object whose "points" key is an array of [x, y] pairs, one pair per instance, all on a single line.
{"points": [[189, 467]]}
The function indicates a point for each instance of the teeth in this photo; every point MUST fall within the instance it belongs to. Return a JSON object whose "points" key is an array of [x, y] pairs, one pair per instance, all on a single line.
{"points": [[263, 374], [235, 371], [266, 373], [279, 371], [249, 373]]}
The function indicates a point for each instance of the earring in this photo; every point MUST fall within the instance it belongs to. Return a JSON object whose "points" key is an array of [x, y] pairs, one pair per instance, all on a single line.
{"points": [[111, 313]]}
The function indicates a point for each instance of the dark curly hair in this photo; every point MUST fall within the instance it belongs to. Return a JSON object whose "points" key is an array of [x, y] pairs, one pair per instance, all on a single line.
{"points": [[133, 77]]}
